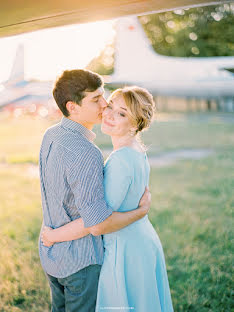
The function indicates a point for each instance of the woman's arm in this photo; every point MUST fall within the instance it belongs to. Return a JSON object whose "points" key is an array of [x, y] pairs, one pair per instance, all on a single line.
{"points": [[70, 231], [75, 229]]}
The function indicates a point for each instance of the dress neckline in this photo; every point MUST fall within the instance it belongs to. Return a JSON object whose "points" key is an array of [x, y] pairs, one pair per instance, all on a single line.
{"points": [[132, 149]]}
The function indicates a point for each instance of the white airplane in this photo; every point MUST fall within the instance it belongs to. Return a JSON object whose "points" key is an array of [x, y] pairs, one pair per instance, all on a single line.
{"points": [[136, 63], [18, 90]]}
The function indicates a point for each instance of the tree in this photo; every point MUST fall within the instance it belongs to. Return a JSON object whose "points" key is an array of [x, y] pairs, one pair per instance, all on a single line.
{"points": [[104, 63], [203, 31]]}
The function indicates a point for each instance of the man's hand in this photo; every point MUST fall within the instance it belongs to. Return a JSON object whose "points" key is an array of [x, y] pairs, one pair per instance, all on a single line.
{"points": [[46, 236], [145, 201]]}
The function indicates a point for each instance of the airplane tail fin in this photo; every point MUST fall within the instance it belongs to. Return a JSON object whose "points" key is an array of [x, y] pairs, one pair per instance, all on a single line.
{"points": [[17, 71], [133, 50]]}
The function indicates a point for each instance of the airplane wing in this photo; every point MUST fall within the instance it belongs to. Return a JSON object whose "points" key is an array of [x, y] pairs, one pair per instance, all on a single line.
{"points": [[18, 17]]}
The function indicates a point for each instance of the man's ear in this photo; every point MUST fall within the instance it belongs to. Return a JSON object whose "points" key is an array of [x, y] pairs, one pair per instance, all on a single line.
{"points": [[71, 107]]}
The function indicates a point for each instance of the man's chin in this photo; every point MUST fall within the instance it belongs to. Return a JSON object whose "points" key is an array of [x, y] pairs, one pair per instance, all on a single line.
{"points": [[99, 121]]}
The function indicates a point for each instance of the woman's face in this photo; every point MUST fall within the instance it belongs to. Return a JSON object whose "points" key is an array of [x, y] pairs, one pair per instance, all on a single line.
{"points": [[115, 118]]}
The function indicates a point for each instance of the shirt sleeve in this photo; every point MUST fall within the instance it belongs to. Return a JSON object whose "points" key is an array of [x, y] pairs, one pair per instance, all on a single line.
{"points": [[117, 180], [85, 178]]}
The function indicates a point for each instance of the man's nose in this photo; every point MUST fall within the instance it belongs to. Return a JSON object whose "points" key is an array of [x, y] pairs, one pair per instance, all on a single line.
{"points": [[104, 102]]}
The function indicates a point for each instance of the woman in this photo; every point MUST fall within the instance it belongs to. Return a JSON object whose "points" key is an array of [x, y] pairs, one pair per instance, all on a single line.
{"points": [[133, 274]]}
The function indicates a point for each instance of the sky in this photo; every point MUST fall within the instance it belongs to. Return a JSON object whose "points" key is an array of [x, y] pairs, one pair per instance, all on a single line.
{"points": [[48, 52]]}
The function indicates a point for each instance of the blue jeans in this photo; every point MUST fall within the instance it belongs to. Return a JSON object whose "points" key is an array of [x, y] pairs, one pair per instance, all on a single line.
{"points": [[77, 292]]}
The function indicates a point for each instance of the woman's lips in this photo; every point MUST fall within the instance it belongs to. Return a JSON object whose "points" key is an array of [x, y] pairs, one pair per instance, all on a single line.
{"points": [[108, 124]]}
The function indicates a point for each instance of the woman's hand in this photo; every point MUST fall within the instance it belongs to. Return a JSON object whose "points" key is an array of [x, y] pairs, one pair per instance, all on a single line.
{"points": [[46, 236]]}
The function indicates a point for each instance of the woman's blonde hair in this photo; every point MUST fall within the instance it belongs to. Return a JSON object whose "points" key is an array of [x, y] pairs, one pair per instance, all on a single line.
{"points": [[140, 105]]}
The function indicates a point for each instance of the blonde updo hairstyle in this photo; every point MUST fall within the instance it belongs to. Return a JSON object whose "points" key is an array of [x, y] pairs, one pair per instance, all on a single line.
{"points": [[140, 106]]}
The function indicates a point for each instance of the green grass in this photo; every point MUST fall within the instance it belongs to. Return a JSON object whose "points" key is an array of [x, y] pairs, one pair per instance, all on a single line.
{"points": [[20, 139], [192, 206], [192, 213], [23, 286]]}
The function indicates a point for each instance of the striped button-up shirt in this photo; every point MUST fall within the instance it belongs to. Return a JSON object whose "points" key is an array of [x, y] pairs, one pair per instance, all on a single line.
{"points": [[71, 176]]}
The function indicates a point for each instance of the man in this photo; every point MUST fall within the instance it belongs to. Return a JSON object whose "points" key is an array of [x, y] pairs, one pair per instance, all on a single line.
{"points": [[71, 176]]}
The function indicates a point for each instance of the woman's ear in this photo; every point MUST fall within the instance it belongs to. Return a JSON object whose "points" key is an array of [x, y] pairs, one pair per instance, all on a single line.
{"points": [[133, 131]]}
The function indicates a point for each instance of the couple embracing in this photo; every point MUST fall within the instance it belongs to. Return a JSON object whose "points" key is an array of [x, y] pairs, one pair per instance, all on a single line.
{"points": [[97, 246]]}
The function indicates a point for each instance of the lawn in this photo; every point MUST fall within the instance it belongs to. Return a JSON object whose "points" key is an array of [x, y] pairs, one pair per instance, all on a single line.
{"points": [[192, 206]]}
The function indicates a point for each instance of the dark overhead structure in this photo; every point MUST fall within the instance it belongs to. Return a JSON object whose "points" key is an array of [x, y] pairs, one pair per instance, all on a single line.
{"points": [[20, 16]]}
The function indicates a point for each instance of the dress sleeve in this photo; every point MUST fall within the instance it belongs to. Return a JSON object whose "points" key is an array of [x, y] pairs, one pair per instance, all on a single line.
{"points": [[117, 180]]}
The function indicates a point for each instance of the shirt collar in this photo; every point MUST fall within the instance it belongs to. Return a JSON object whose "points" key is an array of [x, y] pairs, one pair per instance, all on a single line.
{"points": [[76, 127]]}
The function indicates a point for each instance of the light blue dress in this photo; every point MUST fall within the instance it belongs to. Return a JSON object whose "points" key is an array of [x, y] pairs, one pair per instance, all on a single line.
{"points": [[133, 275]]}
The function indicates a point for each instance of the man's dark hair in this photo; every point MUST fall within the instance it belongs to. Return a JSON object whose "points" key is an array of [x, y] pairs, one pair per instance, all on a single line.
{"points": [[72, 85]]}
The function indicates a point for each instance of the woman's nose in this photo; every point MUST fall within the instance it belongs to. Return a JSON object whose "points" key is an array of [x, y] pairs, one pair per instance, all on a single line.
{"points": [[109, 113]]}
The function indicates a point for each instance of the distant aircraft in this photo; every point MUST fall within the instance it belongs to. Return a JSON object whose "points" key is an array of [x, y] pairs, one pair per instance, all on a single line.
{"points": [[136, 63], [17, 90]]}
